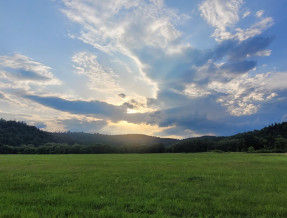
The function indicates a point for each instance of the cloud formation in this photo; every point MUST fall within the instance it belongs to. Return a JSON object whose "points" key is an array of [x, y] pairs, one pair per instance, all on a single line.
{"points": [[145, 35], [118, 25], [99, 79], [138, 65], [224, 16], [19, 71], [221, 14]]}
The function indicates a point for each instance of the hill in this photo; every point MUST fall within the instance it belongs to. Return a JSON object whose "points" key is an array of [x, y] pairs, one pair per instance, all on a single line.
{"points": [[19, 133], [14, 133], [269, 139], [18, 137], [113, 140]]}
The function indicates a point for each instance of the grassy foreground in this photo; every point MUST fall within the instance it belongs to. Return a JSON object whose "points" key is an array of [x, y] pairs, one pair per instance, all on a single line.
{"points": [[144, 185]]}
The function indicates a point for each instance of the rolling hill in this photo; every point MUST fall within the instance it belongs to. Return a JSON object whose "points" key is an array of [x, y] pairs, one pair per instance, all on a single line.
{"points": [[18, 137]]}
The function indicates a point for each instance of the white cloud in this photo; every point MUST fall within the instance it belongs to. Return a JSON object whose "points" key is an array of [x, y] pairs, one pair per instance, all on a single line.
{"points": [[111, 25], [120, 28], [224, 15], [244, 94], [259, 13], [108, 83], [277, 81], [246, 14], [254, 29], [19, 71], [194, 91], [100, 79], [221, 15], [263, 53]]}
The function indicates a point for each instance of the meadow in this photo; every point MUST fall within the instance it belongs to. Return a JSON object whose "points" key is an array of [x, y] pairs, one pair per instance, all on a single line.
{"points": [[144, 185]]}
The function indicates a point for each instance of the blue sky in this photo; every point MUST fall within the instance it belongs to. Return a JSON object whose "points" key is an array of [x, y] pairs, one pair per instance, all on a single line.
{"points": [[164, 68]]}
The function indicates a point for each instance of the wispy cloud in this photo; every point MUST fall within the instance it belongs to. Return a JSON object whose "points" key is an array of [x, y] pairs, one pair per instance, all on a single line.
{"points": [[246, 14], [99, 79], [221, 14], [19, 71], [254, 29], [259, 13], [224, 16], [119, 25], [122, 28]]}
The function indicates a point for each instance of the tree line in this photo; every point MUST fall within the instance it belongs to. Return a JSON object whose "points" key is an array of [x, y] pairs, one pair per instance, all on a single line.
{"points": [[269, 139], [20, 138]]}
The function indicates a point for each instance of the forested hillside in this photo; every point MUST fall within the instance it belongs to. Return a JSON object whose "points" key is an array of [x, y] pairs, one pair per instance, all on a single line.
{"points": [[113, 140], [18, 137], [18, 133], [269, 139]]}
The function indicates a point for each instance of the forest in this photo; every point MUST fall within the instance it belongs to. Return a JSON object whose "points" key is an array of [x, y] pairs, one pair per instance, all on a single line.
{"points": [[20, 138]]}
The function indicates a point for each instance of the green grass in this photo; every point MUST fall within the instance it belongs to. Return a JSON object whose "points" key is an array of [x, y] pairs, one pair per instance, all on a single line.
{"points": [[144, 185]]}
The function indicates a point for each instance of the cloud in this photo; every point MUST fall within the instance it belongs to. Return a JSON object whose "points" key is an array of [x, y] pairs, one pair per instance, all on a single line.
{"points": [[236, 51], [116, 26], [238, 67], [276, 81], [254, 30], [263, 53], [99, 78], [195, 91], [185, 73], [96, 108], [21, 72], [107, 76], [192, 66], [83, 125], [246, 14], [224, 16], [244, 94], [121, 29], [122, 95], [221, 15], [24, 68], [140, 71], [188, 120], [259, 13]]}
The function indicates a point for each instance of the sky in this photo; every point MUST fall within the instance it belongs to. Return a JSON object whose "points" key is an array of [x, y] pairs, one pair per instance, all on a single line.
{"points": [[158, 67]]}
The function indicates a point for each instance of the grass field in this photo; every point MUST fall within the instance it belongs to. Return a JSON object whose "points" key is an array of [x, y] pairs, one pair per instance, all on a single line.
{"points": [[144, 185]]}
